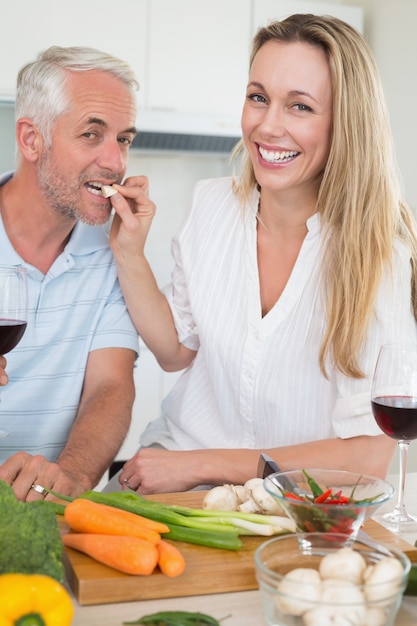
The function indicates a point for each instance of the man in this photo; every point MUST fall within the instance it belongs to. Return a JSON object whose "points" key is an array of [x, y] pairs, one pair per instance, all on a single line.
{"points": [[67, 397]]}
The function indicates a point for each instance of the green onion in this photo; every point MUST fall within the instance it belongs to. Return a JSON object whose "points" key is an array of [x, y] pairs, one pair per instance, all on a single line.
{"points": [[216, 529]]}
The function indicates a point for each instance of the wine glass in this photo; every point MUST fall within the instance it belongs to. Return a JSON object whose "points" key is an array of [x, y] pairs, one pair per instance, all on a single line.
{"points": [[13, 309], [394, 405]]}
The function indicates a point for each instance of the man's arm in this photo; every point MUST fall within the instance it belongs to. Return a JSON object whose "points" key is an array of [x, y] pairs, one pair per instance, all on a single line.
{"points": [[103, 417], [100, 427]]}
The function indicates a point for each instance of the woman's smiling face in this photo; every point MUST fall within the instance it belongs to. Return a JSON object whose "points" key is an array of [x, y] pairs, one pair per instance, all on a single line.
{"points": [[287, 116]]}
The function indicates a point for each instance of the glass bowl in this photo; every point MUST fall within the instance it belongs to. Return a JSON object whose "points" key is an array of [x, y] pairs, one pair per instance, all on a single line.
{"points": [[298, 589], [352, 498]]}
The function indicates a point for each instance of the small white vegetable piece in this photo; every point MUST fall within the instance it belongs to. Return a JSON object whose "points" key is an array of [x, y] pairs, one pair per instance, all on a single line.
{"points": [[345, 563], [298, 591], [108, 191], [221, 498], [382, 580]]}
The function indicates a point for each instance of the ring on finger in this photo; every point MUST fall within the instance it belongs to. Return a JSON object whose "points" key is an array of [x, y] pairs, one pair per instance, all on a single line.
{"points": [[126, 482], [39, 489]]}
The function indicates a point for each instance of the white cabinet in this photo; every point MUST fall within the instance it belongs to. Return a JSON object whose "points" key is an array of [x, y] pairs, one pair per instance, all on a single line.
{"points": [[198, 55], [190, 56], [265, 11], [29, 27]]}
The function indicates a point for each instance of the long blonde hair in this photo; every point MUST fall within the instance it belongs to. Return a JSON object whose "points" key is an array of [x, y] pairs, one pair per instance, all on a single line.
{"points": [[359, 199]]}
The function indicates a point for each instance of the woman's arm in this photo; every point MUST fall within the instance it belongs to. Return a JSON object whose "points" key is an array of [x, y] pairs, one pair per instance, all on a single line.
{"points": [[147, 305], [157, 471]]}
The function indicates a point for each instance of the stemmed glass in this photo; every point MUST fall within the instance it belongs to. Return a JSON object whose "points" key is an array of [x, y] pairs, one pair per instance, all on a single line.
{"points": [[394, 405], [13, 309]]}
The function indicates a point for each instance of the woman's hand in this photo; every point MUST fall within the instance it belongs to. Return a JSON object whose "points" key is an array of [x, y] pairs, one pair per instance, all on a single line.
{"points": [[4, 379], [153, 470], [134, 215]]}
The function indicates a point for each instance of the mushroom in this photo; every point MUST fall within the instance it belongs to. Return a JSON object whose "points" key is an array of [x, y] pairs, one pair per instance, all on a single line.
{"points": [[325, 616], [344, 563], [241, 492], [221, 498], [345, 598], [382, 580], [298, 591], [258, 500]]}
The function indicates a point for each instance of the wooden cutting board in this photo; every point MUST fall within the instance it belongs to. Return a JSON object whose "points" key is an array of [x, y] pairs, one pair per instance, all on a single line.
{"points": [[208, 570]]}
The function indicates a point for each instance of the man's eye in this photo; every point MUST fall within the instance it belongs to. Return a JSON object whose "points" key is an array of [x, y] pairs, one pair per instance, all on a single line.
{"points": [[89, 135], [125, 140]]}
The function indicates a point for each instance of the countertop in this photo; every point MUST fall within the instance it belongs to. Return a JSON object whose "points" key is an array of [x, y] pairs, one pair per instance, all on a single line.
{"points": [[242, 608]]}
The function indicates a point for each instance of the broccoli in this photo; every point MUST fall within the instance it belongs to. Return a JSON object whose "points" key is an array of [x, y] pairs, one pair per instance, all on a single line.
{"points": [[30, 541]]}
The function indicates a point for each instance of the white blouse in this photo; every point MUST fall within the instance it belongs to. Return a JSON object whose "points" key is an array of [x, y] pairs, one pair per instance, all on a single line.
{"points": [[255, 381]]}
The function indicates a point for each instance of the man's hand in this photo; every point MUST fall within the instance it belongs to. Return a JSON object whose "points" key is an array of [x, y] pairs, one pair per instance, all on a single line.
{"points": [[4, 379], [28, 474]]}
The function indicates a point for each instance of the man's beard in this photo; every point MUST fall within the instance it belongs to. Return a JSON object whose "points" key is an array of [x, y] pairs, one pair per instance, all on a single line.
{"points": [[63, 194]]}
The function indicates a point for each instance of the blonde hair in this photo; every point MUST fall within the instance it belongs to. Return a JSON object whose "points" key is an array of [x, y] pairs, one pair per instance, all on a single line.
{"points": [[359, 198]]}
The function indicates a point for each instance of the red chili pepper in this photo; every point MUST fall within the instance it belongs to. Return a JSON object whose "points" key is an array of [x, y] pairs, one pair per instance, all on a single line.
{"points": [[292, 496], [323, 496], [339, 500]]}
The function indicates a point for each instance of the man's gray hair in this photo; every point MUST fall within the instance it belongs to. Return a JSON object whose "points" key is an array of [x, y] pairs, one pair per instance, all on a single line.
{"points": [[41, 85]]}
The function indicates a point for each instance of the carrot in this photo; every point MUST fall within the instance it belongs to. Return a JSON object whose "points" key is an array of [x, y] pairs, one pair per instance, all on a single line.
{"points": [[170, 560], [86, 516], [130, 555]]}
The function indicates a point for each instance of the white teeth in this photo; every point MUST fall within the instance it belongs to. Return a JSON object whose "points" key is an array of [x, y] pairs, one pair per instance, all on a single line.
{"points": [[277, 157]]}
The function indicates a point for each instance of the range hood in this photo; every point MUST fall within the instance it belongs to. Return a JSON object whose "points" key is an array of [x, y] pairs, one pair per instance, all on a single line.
{"points": [[186, 132]]}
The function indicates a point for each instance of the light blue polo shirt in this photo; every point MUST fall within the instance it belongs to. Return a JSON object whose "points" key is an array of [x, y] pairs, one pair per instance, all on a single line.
{"points": [[77, 307]]}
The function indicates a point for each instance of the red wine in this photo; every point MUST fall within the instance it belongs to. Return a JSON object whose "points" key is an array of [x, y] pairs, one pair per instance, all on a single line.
{"points": [[396, 416], [11, 332]]}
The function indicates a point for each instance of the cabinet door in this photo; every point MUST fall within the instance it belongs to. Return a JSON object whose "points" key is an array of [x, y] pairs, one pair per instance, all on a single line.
{"points": [[198, 55], [267, 10], [117, 29]]}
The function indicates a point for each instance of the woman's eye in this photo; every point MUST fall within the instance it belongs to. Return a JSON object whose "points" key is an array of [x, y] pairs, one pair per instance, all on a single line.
{"points": [[302, 107], [256, 97]]}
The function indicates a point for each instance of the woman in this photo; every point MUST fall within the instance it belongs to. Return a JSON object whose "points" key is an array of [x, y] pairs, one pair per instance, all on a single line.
{"points": [[287, 279]]}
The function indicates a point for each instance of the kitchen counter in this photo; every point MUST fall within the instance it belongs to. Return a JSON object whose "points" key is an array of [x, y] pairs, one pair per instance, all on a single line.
{"points": [[242, 608]]}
